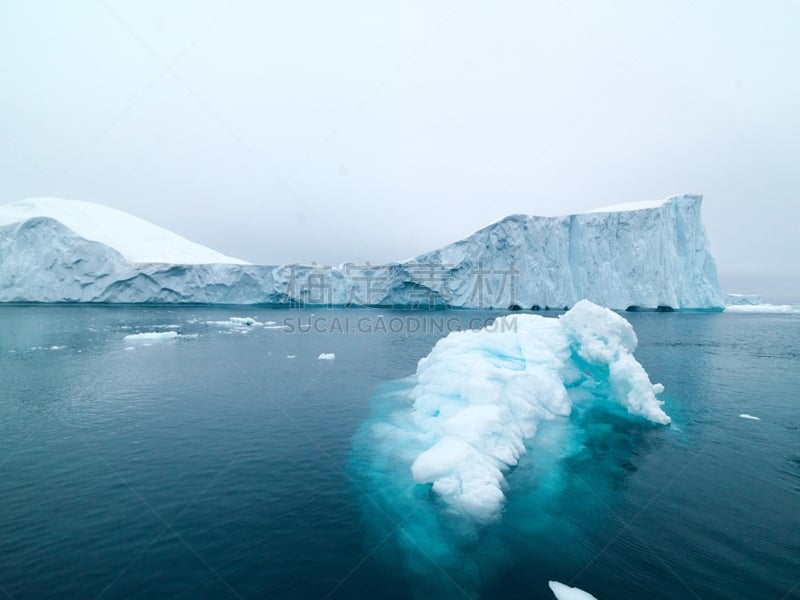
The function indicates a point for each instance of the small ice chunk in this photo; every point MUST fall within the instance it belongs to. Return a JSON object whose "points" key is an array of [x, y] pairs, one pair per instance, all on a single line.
{"points": [[129, 348], [326, 356], [292, 356], [152, 335], [751, 417], [236, 322], [57, 347], [564, 592], [245, 321]]}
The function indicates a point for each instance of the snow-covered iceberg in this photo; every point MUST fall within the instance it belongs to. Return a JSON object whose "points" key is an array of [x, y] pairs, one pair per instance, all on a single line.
{"points": [[137, 240], [648, 255]]}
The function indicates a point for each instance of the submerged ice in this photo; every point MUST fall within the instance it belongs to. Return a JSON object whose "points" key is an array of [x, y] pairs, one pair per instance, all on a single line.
{"points": [[481, 395], [494, 439]]}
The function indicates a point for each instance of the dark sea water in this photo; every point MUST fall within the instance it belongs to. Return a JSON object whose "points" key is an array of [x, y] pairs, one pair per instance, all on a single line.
{"points": [[214, 466]]}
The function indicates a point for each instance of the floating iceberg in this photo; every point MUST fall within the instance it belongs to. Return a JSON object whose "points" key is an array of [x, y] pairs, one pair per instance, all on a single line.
{"points": [[753, 303], [644, 255], [742, 299], [494, 425], [763, 308], [480, 396]]}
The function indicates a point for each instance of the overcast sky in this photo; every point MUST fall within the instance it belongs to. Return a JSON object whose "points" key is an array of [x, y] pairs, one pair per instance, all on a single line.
{"points": [[332, 131]]}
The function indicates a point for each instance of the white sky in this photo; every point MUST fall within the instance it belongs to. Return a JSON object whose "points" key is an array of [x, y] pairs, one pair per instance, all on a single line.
{"points": [[331, 131]]}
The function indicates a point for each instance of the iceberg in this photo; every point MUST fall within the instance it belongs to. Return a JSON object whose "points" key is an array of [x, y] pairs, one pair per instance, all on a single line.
{"points": [[137, 240], [742, 299], [753, 303], [481, 395], [495, 424], [763, 308], [646, 255]]}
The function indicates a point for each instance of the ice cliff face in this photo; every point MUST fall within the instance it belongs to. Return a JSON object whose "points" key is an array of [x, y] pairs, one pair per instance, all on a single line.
{"points": [[646, 257], [642, 257], [43, 261]]}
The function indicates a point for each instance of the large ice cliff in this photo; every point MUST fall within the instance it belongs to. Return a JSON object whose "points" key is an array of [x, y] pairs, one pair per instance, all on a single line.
{"points": [[647, 255]]}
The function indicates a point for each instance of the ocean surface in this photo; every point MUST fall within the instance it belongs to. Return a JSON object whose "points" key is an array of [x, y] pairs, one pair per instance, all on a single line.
{"points": [[206, 463]]}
